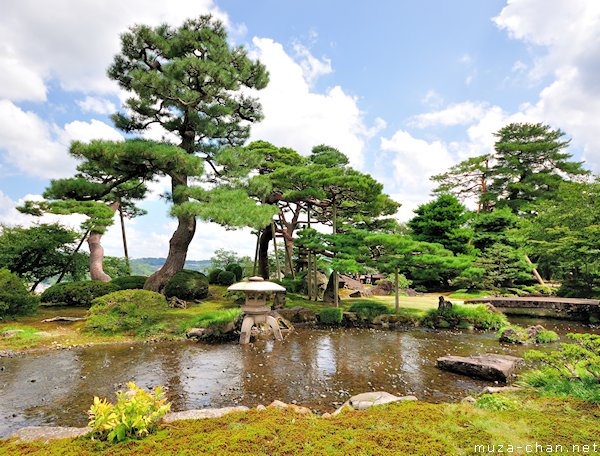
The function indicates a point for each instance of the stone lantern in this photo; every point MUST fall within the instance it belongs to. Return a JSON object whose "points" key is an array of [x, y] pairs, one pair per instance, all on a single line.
{"points": [[255, 308]]}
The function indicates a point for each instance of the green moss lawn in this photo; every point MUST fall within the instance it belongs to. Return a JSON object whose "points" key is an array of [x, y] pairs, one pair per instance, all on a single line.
{"points": [[409, 428]]}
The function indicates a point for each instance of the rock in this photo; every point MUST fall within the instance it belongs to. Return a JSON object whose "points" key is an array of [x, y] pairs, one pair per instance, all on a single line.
{"points": [[383, 288], [195, 332], [296, 408], [202, 413], [498, 389], [343, 408], [279, 300], [261, 407], [298, 315], [533, 331], [351, 284], [444, 305], [383, 320], [487, 367], [510, 335], [65, 319], [47, 433], [349, 317], [365, 400], [11, 332], [176, 303], [469, 400], [357, 294], [326, 415]]}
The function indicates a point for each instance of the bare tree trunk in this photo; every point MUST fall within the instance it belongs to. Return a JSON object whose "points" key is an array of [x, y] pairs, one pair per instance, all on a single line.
{"points": [[263, 252], [178, 245], [97, 252]]}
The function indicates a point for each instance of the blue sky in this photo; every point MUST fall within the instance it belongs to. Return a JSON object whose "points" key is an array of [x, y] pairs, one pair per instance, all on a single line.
{"points": [[405, 88]]}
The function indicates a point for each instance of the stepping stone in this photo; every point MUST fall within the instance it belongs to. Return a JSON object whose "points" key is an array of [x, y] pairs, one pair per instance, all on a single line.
{"points": [[488, 367]]}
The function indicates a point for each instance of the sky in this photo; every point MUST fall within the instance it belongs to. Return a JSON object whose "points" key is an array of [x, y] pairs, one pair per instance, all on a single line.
{"points": [[405, 88]]}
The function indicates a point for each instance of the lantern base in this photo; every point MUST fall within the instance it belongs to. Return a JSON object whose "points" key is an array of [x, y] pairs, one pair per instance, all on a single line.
{"points": [[252, 320]]}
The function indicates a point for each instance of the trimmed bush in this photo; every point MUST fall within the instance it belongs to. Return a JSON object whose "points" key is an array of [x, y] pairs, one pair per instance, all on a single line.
{"points": [[331, 316], [79, 294], [126, 312], [135, 282], [480, 317], [368, 310], [14, 297], [187, 285], [236, 269], [226, 278], [213, 276], [297, 285]]}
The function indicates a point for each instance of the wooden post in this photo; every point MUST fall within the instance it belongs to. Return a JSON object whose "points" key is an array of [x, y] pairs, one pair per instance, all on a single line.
{"points": [[256, 253], [276, 253], [536, 274], [124, 237], [396, 289]]}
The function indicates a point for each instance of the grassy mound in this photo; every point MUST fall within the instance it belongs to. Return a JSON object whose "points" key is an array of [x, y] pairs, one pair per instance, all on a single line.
{"points": [[478, 317]]}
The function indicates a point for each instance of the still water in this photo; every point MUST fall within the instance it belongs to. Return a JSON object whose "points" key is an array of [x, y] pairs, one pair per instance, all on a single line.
{"points": [[318, 368]]}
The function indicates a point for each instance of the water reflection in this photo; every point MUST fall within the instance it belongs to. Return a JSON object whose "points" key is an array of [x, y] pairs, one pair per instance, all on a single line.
{"points": [[317, 368]]}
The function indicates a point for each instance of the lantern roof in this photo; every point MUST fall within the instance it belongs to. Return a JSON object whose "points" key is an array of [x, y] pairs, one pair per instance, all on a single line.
{"points": [[256, 284]]}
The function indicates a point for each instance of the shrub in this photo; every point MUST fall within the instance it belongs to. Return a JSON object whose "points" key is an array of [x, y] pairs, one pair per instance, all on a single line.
{"points": [[79, 294], [136, 414], [574, 370], [226, 278], [213, 276], [236, 269], [14, 297], [367, 310], [331, 316], [495, 402], [546, 336], [480, 317], [126, 311], [188, 285], [135, 282]]}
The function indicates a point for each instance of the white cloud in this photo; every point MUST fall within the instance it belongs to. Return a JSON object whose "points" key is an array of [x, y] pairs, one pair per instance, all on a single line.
{"points": [[299, 118], [97, 105], [568, 34], [413, 161], [18, 82], [432, 99], [37, 148], [456, 114], [76, 41], [312, 68]]}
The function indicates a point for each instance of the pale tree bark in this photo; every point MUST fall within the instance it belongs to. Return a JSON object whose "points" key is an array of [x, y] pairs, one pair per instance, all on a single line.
{"points": [[97, 252]]}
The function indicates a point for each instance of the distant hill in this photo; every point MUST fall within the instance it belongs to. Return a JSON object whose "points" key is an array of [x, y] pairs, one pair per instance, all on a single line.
{"points": [[147, 266]]}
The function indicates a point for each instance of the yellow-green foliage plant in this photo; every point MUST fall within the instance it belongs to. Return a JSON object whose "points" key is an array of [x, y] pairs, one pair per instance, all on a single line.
{"points": [[135, 415]]}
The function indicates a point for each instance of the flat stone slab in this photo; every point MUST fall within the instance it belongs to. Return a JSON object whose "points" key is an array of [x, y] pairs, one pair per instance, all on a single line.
{"points": [[365, 400], [202, 413], [47, 433], [488, 367]]}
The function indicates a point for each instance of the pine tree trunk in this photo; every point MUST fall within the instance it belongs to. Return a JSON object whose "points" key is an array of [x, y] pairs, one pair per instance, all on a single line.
{"points": [[178, 245], [263, 252], [97, 253], [97, 257]]}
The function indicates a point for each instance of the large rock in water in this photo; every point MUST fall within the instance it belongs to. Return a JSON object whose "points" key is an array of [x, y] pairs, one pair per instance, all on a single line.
{"points": [[488, 366]]}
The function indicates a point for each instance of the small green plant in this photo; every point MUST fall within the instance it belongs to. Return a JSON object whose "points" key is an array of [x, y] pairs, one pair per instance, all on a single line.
{"points": [[368, 310], [546, 336], [226, 278], [126, 312], [135, 415], [188, 285], [130, 282], [80, 294], [331, 316], [495, 402], [14, 297], [573, 370]]}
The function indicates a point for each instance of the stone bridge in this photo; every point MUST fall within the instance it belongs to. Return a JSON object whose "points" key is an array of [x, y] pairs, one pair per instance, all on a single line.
{"points": [[567, 308]]}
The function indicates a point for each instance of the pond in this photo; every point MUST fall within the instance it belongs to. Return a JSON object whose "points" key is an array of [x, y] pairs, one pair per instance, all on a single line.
{"points": [[318, 368]]}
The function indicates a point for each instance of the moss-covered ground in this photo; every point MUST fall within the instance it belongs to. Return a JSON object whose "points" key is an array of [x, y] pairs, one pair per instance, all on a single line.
{"points": [[409, 428]]}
